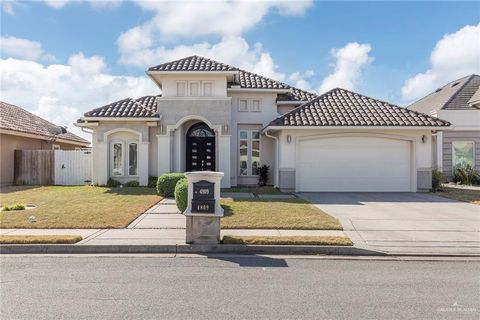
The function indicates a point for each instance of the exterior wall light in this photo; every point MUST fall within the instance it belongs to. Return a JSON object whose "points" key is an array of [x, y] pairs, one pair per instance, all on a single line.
{"points": [[424, 138], [289, 138], [225, 128]]}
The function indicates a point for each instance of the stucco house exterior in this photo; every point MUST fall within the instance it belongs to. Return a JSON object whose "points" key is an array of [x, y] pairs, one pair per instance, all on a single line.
{"points": [[22, 130], [459, 103], [213, 116]]}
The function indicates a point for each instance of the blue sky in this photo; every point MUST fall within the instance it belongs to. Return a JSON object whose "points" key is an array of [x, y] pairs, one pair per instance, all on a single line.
{"points": [[396, 51]]}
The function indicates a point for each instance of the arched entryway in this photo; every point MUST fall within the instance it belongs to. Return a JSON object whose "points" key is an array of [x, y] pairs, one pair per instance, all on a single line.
{"points": [[200, 148]]}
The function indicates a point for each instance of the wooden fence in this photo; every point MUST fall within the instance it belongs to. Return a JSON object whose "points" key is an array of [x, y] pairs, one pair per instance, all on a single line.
{"points": [[34, 167], [48, 167]]}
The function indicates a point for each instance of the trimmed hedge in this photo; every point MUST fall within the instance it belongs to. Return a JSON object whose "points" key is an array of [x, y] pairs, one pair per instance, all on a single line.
{"points": [[181, 194], [166, 183]]}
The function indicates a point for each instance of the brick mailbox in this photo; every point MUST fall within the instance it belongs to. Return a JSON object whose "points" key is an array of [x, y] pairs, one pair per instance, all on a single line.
{"points": [[204, 211]]}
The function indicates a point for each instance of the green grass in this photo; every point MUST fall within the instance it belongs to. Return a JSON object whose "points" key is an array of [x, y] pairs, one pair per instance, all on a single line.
{"points": [[471, 196], [296, 240], [255, 190], [50, 239], [13, 207], [76, 207], [261, 213]]}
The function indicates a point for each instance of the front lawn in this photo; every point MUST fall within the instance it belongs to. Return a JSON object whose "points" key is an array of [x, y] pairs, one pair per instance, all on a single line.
{"points": [[75, 207], [295, 240], [471, 196], [255, 190], [34, 239], [275, 214]]}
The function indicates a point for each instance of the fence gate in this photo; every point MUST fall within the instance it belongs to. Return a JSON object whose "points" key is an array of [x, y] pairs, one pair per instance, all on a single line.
{"points": [[73, 167]]}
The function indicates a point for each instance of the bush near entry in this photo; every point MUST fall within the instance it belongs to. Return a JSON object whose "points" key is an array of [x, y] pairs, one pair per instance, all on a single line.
{"points": [[181, 194], [166, 184]]}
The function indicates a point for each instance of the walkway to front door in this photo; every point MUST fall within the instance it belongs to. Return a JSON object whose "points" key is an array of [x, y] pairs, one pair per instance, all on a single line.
{"points": [[200, 148]]}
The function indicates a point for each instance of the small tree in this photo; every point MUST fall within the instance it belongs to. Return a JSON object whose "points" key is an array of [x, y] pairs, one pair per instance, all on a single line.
{"points": [[263, 175]]}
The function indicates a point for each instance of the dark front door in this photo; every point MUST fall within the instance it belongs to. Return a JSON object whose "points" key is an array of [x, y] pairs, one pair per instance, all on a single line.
{"points": [[200, 148]]}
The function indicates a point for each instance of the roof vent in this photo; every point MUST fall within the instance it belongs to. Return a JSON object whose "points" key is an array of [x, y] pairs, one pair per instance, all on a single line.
{"points": [[456, 83], [438, 90]]}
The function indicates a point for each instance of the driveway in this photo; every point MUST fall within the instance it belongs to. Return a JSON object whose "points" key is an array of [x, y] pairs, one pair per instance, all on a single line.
{"points": [[404, 222]]}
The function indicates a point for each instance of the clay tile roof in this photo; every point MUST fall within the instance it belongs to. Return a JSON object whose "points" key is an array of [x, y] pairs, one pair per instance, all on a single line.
{"points": [[193, 63], [340, 107], [17, 119], [245, 79], [144, 107]]}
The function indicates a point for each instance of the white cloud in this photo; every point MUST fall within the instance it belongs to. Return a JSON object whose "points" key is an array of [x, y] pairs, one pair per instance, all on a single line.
{"points": [[349, 64], [301, 80], [23, 49], [454, 56], [7, 7], [58, 4], [61, 93], [231, 50], [189, 19]]}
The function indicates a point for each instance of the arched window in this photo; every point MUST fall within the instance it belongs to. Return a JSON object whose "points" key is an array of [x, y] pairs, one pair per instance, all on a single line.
{"points": [[200, 130]]}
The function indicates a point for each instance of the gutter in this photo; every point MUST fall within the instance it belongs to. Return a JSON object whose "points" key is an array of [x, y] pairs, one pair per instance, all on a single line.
{"points": [[275, 176]]}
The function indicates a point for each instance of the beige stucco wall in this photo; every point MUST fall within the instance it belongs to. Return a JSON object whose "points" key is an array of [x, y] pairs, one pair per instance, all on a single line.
{"points": [[10, 143], [422, 151]]}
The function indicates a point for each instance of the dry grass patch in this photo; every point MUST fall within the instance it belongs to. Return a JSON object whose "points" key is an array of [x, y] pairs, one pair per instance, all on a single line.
{"points": [[256, 190], [51, 239], [82, 207], [297, 240], [471, 196], [275, 214]]}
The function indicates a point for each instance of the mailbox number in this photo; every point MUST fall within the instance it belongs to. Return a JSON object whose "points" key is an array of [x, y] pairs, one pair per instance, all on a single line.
{"points": [[204, 191], [203, 207]]}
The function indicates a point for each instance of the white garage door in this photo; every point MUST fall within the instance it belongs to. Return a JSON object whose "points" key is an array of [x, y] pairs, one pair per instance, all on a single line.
{"points": [[356, 164]]}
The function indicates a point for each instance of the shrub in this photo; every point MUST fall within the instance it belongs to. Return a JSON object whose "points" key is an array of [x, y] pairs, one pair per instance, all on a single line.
{"points": [[263, 175], [112, 183], [181, 194], [132, 184], [12, 207], [437, 179], [166, 183], [466, 174], [152, 182]]}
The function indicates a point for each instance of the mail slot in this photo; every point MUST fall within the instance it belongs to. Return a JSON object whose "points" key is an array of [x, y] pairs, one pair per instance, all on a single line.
{"points": [[203, 190]]}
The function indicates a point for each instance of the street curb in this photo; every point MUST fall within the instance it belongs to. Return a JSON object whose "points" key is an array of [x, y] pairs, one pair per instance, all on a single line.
{"points": [[185, 248]]}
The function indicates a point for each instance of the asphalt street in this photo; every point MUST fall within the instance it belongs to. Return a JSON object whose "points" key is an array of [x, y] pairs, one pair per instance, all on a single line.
{"points": [[222, 287]]}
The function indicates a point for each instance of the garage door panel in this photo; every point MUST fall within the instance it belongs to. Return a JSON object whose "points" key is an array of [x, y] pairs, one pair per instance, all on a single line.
{"points": [[354, 164]]}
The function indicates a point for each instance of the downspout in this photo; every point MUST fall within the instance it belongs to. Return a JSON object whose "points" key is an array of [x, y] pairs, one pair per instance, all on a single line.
{"points": [[275, 176]]}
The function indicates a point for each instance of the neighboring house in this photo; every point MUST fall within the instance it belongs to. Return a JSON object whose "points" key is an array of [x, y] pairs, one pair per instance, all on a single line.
{"points": [[459, 103], [212, 116], [22, 130]]}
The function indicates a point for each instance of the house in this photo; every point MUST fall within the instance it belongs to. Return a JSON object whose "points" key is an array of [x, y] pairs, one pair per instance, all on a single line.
{"points": [[22, 130], [459, 103], [213, 116]]}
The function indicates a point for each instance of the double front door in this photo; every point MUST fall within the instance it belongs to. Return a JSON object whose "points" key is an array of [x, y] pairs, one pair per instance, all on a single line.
{"points": [[200, 149]]}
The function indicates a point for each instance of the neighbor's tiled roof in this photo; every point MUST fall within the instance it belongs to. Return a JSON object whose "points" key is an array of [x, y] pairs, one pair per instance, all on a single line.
{"points": [[340, 107], [454, 95], [144, 107], [17, 119], [244, 79]]}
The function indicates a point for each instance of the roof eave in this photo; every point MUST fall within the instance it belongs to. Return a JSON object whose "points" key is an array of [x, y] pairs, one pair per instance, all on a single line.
{"points": [[86, 118], [275, 127], [258, 90]]}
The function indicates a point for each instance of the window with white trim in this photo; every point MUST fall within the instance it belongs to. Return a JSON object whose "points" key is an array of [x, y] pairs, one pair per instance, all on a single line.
{"points": [[256, 106], [132, 158], [194, 88], [243, 152], [249, 152], [117, 159], [181, 88], [463, 153], [243, 105], [207, 88]]}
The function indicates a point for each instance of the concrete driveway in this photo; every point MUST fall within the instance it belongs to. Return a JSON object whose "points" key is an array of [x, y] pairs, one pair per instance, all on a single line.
{"points": [[404, 222]]}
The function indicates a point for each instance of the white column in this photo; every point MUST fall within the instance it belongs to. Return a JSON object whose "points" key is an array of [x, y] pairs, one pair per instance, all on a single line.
{"points": [[163, 152], [100, 159], [224, 159], [439, 151], [143, 164]]}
